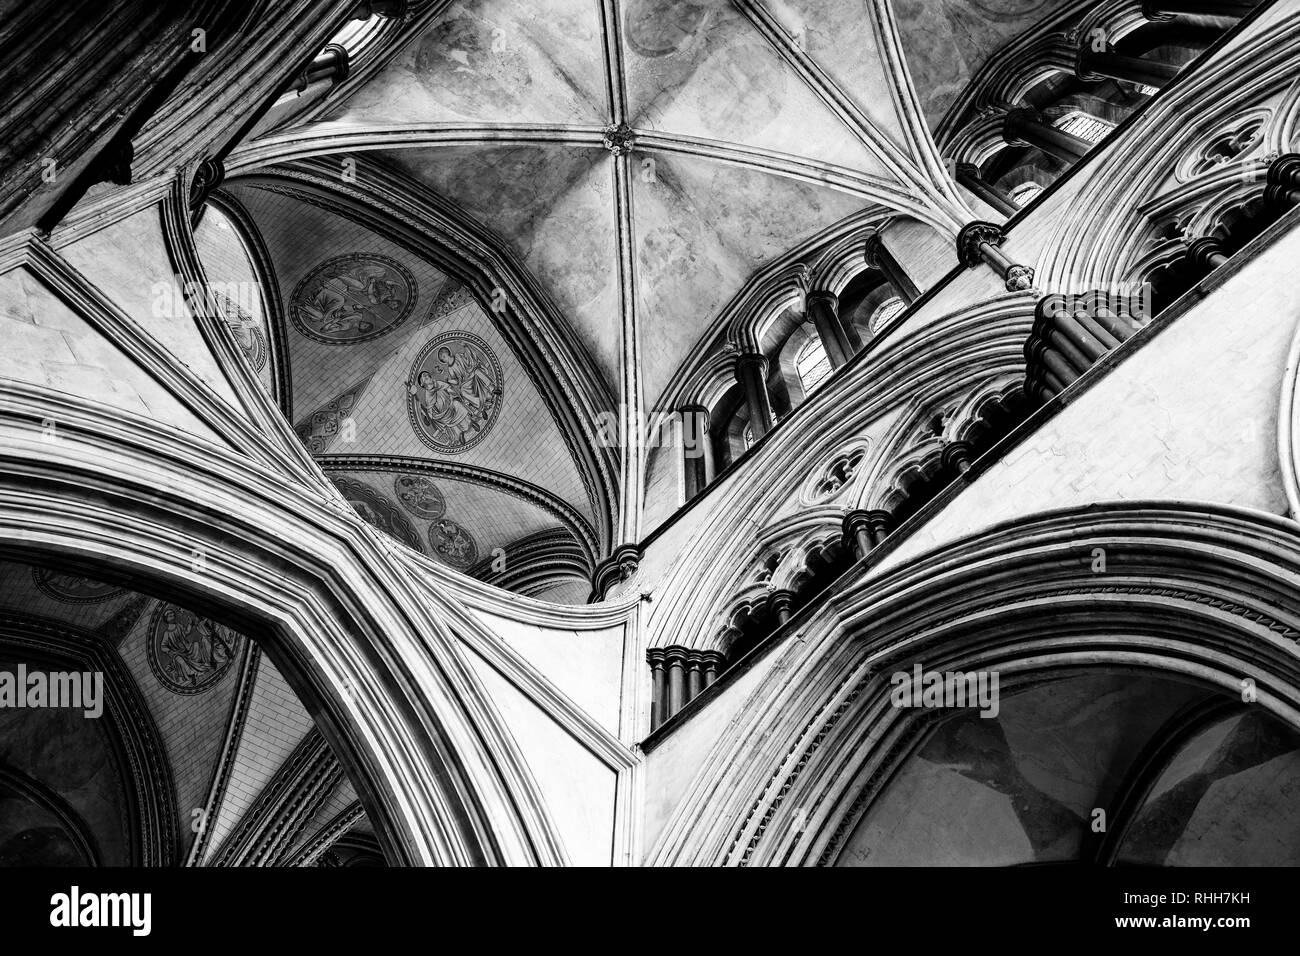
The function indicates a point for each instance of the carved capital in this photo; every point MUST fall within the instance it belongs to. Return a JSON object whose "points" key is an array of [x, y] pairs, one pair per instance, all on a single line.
{"points": [[1019, 278], [615, 569], [972, 235]]}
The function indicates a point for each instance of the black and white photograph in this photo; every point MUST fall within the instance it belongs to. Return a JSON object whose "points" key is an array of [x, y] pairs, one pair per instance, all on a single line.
{"points": [[659, 435]]}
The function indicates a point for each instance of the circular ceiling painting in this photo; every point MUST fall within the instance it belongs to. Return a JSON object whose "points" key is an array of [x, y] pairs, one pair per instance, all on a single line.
{"points": [[350, 299], [188, 653], [73, 588], [378, 511], [454, 392], [420, 496], [453, 544]]}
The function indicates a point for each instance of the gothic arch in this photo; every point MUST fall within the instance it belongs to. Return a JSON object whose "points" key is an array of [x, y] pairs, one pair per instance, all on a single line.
{"points": [[1024, 598], [179, 517]]}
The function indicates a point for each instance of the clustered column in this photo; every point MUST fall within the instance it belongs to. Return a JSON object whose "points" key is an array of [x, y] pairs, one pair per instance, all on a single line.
{"points": [[863, 530], [678, 675], [1071, 333]]}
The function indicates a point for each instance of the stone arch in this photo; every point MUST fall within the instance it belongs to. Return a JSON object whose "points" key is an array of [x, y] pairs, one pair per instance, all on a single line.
{"points": [[182, 519], [1206, 593]]}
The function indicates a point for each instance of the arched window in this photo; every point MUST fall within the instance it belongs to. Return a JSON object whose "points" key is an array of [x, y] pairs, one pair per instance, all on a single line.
{"points": [[884, 313], [812, 365], [1080, 124]]}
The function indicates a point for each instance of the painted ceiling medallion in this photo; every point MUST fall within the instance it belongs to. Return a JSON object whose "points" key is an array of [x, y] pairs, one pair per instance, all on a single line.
{"points": [[420, 496], [72, 588], [350, 299], [187, 653], [454, 392], [453, 544], [378, 511]]}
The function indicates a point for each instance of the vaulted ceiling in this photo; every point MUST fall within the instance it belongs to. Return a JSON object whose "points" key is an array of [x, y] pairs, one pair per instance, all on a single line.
{"points": [[614, 173], [201, 752]]}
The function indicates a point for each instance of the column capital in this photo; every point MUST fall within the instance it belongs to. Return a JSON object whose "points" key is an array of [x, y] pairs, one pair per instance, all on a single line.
{"points": [[957, 456], [880, 519], [615, 569], [872, 248], [855, 520], [751, 360], [972, 235], [779, 601], [1285, 170], [1203, 252], [676, 655], [207, 177], [1014, 118], [822, 295]]}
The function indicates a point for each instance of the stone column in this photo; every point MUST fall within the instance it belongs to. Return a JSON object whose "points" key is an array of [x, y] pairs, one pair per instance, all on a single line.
{"points": [[675, 660], [1283, 179], [823, 309], [694, 675], [713, 663], [957, 456], [879, 257], [330, 65], [1094, 65], [1206, 253], [1026, 127], [857, 533], [968, 175], [751, 373], [981, 242], [658, 686], [779, 601], [696, 448], [878, 525]]}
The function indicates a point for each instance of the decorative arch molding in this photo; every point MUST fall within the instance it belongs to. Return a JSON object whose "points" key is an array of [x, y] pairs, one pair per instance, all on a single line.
{"points": [[1104, 241], [1050, 46], [360, 641], [832, 257], [981, 342], [273, 302], [562, 511], [1207, 592], [133, 735], [392, 205], [915, 445], [333, 139]]}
